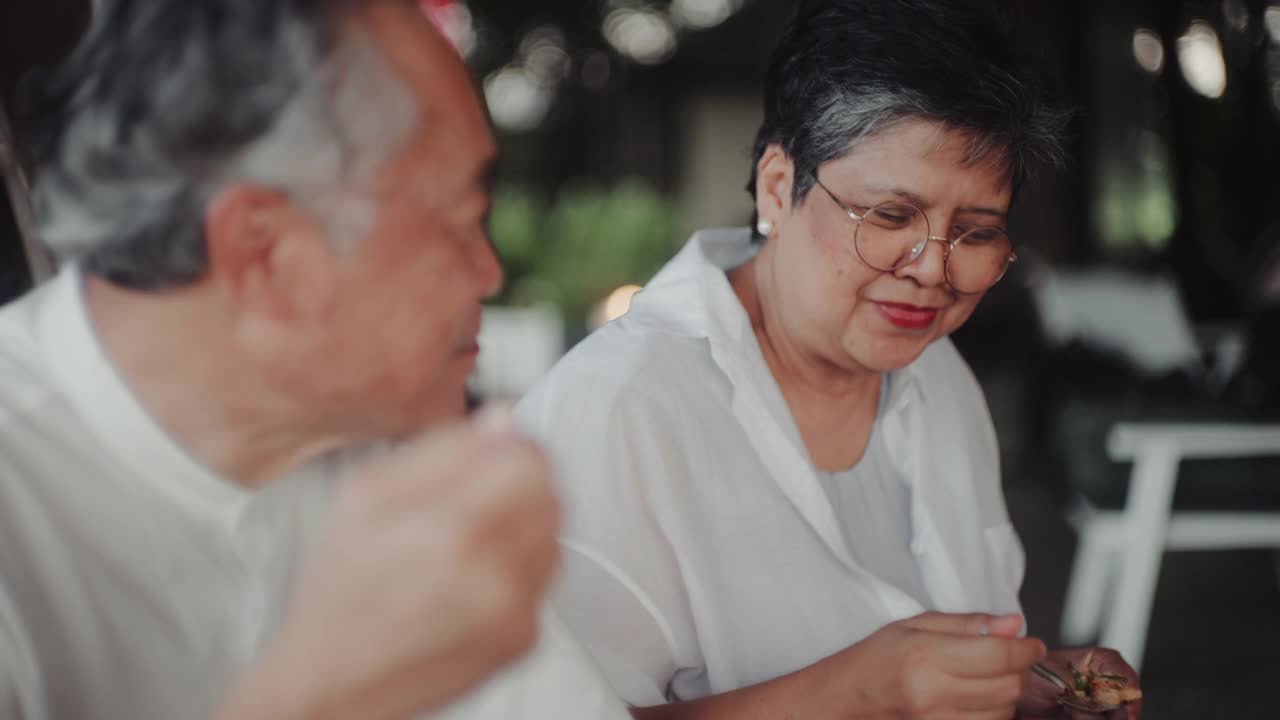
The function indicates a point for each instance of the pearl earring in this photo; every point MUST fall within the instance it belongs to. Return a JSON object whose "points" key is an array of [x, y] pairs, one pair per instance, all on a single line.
{"points": [[764, 227]]}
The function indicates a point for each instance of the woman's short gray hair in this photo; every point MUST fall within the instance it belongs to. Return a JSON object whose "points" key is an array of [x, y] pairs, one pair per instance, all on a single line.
{"points": [[847, 69], [168, 101]]}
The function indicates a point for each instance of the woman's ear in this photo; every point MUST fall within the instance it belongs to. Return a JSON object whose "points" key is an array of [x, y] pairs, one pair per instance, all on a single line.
{"points": [[775, 177]]}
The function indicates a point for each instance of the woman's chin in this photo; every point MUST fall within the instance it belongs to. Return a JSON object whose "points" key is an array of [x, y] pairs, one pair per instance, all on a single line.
{"points": [[888, 354]]}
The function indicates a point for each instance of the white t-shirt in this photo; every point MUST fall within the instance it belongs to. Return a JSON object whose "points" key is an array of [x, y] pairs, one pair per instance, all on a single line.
{"points": [[873, 507], [135, 584], [702, 552]]}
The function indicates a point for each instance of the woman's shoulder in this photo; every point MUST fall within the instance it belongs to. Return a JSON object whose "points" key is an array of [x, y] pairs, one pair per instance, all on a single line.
{"points": [[632, 353], [625, 372]]}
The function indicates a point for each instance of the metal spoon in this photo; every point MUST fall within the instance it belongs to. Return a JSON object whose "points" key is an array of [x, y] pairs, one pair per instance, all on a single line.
{"points": [[1068, 695]]}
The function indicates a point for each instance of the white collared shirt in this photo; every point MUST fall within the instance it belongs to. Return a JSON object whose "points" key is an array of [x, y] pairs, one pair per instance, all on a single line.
{"points": [[137, 585], [702, 552]]}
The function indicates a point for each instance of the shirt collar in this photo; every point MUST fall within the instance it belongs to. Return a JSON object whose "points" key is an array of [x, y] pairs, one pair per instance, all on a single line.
{"points": [[114, 414], [697, 296]]}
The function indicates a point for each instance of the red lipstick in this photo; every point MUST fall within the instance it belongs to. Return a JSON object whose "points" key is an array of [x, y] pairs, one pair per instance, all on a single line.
{"points": [[908, 317]]}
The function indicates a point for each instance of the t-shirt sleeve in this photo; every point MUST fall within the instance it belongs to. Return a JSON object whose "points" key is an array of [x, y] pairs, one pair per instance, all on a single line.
{"points": [[618, 623], [620, 592]]}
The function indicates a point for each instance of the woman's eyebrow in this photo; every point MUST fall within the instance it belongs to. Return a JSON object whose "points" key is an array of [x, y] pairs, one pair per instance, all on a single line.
{"points": [[924, 204]]}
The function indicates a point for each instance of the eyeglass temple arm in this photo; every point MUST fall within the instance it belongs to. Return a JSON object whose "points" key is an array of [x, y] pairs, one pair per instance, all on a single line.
{"points": [[40, 261], [853, 214]]}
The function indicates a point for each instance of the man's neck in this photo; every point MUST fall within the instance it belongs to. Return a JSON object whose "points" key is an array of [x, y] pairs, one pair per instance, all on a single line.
{"points": [[173, 355]]}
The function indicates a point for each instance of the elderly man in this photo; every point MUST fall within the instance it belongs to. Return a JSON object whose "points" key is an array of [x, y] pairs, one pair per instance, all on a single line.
{"points": [[215, 496]]}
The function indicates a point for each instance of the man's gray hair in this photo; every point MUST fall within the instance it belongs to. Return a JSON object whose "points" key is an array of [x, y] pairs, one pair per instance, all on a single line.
{"points": [[167, 102]]}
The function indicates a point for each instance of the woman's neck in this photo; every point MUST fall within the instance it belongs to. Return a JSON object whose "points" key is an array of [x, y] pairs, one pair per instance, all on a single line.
{"points": [[834, 407]]}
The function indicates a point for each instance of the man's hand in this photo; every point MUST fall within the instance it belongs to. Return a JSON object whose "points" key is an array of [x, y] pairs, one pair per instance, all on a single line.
{"points": [[429, 581], [1040, 699]]}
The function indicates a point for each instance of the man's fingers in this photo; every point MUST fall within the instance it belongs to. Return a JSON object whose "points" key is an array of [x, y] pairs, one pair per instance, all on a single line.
{"points": [[532, 532], [463, 459], [451, 441], [966, 623]]}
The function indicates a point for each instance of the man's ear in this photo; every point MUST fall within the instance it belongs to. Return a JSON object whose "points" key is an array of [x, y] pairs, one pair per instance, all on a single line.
{"points": [[265, 252], [775, 177]]}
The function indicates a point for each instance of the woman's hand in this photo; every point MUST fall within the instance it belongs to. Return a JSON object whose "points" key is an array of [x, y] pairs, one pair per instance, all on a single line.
{"points": [[1040, 700], [937, 665]]}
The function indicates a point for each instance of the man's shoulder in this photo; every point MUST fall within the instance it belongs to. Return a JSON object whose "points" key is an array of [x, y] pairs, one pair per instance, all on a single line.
{"points": [[27, 385], [33, 418]]}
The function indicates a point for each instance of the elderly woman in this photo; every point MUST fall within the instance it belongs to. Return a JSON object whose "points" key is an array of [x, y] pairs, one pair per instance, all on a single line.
{"points": [[781, 480]]}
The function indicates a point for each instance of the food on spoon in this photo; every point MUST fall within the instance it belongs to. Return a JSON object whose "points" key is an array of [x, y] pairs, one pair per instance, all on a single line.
{"points": [[1100, 687]]}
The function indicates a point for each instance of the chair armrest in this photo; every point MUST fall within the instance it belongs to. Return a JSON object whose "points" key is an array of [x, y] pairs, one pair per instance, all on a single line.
{"points": [[1126, 441]]}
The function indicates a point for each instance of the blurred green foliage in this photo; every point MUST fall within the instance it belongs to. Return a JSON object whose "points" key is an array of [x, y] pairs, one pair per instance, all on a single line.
{"points": [[573, 251]]}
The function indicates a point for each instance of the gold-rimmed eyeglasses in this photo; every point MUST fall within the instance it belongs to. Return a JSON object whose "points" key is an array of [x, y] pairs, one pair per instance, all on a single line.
{"points": [[891, 235]]}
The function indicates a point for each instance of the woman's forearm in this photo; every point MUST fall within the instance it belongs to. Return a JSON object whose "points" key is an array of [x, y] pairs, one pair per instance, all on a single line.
{"points": [[818, 692], [781, 698]]}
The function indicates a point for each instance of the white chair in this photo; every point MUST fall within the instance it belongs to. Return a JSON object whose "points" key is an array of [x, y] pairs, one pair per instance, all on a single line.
{"points": [[1118, 558]]}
